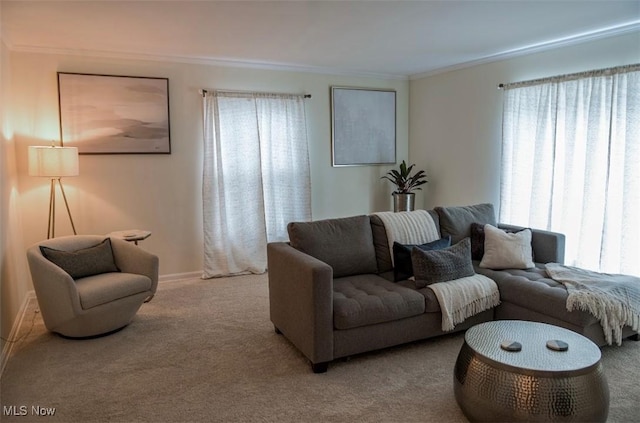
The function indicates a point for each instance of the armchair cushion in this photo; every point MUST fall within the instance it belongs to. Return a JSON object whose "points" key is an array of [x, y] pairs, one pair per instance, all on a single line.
{"points": [[85, 261], [106, 287]]}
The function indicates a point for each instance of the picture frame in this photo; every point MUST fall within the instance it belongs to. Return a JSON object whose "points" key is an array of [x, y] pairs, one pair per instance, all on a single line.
{"points": [[114, 114], [363, 126]]}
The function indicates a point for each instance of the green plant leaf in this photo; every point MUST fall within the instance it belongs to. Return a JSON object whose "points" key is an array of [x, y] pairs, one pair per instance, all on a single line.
{"points": [[403, 181], [403, 169]]}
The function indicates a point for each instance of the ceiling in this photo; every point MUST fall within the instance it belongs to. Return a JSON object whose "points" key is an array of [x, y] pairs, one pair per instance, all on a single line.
{"points": [[378, 38]]}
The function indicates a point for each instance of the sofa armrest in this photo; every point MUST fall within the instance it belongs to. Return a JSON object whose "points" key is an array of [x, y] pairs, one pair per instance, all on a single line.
{"points": [[301, 300], [548, 247]]}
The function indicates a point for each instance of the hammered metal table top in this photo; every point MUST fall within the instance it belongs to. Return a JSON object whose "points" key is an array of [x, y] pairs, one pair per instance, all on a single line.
{"points": [[485, 340]]}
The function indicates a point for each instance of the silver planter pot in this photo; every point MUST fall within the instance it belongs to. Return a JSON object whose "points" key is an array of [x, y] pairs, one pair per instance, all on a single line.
{"points": [[403, 202]]}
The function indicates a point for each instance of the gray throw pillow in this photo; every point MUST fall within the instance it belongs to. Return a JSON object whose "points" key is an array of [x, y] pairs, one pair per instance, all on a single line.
{"points": [[345, 244], [456, 221], [84, 262], [442, 265], [403, 268]]}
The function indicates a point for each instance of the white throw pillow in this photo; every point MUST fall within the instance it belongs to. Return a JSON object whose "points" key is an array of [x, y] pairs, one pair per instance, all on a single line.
{"points": [[504, 250]]}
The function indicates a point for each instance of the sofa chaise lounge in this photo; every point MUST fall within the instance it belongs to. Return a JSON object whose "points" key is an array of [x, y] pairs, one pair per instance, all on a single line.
{"points": [[333, 291]]}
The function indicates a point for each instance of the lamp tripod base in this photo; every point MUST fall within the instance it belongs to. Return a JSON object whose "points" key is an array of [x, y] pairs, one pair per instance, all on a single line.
{"points": [[51, 227]]}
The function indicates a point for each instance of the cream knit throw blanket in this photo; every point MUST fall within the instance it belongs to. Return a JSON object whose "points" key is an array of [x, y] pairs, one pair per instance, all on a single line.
{"points": [[414, 227], [465, 297], [612, 299]]}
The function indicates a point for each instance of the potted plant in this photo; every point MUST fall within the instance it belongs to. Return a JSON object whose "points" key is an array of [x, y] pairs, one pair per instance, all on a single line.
{"points": [[403, 197]]}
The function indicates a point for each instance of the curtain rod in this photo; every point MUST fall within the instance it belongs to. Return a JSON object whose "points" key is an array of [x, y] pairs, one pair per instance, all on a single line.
{"points": [[204, 91], [571, 76]]}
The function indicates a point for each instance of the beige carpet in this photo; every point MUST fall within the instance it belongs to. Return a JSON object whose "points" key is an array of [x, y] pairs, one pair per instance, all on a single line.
{"points": [[205, 351]]}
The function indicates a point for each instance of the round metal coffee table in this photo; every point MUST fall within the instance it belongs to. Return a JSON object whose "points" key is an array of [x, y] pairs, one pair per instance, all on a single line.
{"points": [[536, 383]]}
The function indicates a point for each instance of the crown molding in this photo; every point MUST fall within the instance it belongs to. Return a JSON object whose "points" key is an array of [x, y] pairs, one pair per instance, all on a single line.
{"points": [[200, 60], [584, 37], [617, 30]]}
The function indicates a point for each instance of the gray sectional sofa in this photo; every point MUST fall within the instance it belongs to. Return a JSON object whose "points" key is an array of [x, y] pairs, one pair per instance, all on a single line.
{"points": [[333, 292]]}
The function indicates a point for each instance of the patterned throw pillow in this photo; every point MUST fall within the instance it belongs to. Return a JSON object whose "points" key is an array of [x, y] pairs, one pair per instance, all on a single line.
{"points": [[403, 269], [84, 262], [477, 240], [504, 250], [442, 265]]}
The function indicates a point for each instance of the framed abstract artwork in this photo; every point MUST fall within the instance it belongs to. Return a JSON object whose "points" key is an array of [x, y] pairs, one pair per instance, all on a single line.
{"points": [[363, 126], [111, 114]]}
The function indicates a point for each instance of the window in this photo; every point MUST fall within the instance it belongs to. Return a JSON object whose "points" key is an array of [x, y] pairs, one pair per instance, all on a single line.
{"points": [[256, 177], [571, 164]]}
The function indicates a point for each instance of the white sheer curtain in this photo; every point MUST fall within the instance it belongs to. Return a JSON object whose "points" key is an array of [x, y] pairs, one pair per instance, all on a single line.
{"points": [[256, 177], [571, 163]]}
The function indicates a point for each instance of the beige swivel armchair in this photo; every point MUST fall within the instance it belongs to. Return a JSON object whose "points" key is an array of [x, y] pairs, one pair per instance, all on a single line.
{"points": [[92, 304]]}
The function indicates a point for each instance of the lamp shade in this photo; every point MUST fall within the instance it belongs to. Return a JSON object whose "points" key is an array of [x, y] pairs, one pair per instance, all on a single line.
{"points": [[53, 161]]}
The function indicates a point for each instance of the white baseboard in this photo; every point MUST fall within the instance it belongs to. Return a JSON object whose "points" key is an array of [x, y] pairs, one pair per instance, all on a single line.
{"points": [[180, 276], [15, 330]]}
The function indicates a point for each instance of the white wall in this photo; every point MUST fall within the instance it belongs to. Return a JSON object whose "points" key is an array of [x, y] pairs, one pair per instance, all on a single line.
{"points": [[455, 117], [14, 279], [162, 193]]}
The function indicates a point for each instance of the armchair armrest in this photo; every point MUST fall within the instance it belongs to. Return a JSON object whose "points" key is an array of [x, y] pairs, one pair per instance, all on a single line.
{"points": [[548, 247], [132, 259], [55, 289], [301, 300]]}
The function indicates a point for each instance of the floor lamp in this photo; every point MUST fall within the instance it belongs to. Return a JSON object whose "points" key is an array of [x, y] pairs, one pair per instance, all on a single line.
{"points": [[54, 162]]}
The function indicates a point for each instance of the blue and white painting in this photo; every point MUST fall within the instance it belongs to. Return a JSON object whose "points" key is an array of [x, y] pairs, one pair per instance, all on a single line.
{"points": [[105, 114]]}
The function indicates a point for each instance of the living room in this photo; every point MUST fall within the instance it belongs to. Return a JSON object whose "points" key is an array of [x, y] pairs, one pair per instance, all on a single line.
{"points": [[448, 122]]}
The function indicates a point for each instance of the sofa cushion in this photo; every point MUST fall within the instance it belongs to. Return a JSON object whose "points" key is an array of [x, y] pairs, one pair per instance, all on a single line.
{"points": [[106, 287], [85, 261], [442, 265], [534, 290], [370, 299], [345, 244], [381, 244], [456, 221], [504, 250], [431, 304], [403, 268]]}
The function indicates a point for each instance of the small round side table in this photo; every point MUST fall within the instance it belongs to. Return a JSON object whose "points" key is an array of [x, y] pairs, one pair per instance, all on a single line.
{"points": [[532, 382], [131, 235]]}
